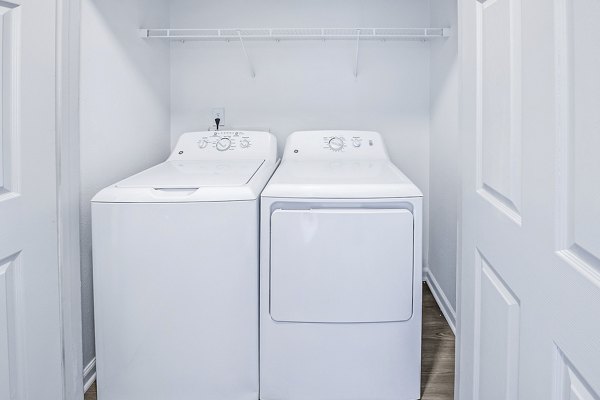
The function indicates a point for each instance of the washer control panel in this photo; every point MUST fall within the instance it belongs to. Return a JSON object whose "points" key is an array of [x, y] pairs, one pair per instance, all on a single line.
{"points": [[223, 145], [335, 145], [225, 141], [345, 143]]}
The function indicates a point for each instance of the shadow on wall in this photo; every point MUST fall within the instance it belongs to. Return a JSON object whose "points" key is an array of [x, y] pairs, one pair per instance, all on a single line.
{"points": [[125, 113], [117, 23]]}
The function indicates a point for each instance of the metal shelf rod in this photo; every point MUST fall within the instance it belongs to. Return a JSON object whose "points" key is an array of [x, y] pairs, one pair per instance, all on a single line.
{"points": [[266, 34]]}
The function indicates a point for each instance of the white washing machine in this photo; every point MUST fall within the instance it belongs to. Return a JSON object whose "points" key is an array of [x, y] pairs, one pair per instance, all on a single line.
{"points": [[340, 274], [175, 252]]}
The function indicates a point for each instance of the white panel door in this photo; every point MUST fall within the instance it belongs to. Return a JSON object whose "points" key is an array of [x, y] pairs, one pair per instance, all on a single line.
{"points": [[529, 294], [30, 339]]}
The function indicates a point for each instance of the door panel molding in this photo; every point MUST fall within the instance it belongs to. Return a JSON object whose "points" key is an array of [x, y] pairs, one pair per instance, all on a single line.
{"points": [[497, 313], [498, 132], [576, 234], [10, 337], [10, 60], [569, 384]]}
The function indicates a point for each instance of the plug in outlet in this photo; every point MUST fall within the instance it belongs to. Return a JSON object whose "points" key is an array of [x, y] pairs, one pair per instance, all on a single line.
{"points": [[218, 114]]}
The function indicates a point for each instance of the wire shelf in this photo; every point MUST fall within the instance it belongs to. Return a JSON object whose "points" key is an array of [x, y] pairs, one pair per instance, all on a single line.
{"points": [[279, 34], [266, 34]]}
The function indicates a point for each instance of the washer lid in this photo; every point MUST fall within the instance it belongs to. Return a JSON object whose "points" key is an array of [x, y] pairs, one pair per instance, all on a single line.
{"points": [[194, 174]]}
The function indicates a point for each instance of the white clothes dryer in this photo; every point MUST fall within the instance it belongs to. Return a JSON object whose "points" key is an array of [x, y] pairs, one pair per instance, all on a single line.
{"points": [[340, 274], [175, 251]]}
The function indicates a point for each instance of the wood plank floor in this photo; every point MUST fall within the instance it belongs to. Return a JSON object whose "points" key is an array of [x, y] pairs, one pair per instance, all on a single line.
{"points": [[437, 357], [437, 376]]}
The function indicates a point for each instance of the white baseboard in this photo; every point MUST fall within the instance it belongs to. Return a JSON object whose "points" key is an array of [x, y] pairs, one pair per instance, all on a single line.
{"points": [[89, 375], [440, 298]]}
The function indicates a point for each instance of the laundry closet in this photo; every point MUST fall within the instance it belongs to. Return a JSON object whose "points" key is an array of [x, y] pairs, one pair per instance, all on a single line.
{"points": [[152, 70], [293, 200]]}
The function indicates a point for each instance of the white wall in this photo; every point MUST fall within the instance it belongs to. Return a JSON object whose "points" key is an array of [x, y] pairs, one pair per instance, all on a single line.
{"points": [[444, 178], [307, 85], [124, 111]]}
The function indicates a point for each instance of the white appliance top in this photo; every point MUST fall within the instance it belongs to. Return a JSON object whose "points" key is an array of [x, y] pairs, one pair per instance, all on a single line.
{"points": [[204, 166], [194, 174], [338, 164]]}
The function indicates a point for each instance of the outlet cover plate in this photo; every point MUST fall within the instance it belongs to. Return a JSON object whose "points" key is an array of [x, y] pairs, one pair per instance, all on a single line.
{"points": [[219, 113]]}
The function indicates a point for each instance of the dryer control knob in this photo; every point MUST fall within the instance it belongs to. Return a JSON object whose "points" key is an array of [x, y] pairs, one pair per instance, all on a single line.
{"points": [[202, 143], [336, 144], [244, 143], [223, 144]]}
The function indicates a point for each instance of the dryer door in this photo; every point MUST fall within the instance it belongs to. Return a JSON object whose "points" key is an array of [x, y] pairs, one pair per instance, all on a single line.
{"points": [[341, 265]]}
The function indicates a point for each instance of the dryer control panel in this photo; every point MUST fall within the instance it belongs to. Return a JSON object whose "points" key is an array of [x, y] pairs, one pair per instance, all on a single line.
{"points": [[335, 145], [212, 145]]}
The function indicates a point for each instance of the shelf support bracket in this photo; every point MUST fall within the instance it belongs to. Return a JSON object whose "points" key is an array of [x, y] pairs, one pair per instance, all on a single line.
{"points": [[357, 53], [252, 73]]}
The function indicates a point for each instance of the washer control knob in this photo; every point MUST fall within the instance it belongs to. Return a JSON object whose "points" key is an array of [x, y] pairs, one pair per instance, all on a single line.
{"points": [[356, 142], [223, 144], [336, 144], [202, 143], [244, 143]]}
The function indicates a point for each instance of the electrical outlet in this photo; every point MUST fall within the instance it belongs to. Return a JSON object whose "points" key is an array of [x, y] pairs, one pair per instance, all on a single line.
{"points": [[219, 113]]}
